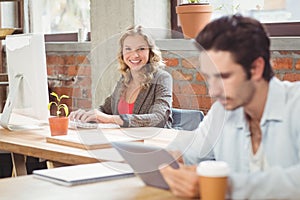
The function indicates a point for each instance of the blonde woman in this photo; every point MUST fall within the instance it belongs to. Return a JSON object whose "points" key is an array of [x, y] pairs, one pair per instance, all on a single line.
{"points": [[143, 95]]}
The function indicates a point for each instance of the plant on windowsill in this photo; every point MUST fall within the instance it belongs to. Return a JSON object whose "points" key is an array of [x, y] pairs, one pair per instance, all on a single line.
{"points": [[59, 123], [193, 16]]}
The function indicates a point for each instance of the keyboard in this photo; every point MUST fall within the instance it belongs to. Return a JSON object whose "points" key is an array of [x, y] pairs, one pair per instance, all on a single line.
{"points": [[80, 124], [90, 125]]}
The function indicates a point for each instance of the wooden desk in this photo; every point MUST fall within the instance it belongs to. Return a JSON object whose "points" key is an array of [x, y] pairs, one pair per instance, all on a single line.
{"points": [[28, 188], [33, 143]]}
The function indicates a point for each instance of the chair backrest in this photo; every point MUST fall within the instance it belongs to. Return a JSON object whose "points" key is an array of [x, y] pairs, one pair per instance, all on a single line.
{"points": [[185, 119]]}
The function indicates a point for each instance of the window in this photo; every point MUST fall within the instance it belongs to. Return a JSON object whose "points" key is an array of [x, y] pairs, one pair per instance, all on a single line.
{"points": [[281, 17], [11, 14], [59, 19]]}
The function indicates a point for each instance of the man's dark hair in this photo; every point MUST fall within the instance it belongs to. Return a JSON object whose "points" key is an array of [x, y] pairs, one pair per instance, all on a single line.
{"points": [[245, 38]]}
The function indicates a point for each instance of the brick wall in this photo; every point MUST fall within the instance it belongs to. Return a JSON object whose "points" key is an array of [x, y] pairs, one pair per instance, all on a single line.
{"points": [[286, 65], [69, 73], [189, 88]]}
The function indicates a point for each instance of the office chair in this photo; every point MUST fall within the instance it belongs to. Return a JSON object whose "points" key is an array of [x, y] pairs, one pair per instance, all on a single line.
{"points": [[184, 119]]}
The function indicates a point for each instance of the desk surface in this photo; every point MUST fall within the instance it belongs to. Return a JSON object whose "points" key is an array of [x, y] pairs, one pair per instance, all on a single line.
{"points": [[33, 143], [28, 188]]}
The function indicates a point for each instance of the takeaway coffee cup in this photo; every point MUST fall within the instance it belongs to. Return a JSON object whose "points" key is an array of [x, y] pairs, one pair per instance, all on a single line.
{"points": [[213, 179]]}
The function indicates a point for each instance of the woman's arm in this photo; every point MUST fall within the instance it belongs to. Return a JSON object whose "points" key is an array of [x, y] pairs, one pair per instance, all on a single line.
{"points": [[110, 101], [156, 109]]}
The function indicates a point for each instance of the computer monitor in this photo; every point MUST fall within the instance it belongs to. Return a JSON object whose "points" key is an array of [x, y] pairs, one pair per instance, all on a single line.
{"points": [[27, 75]]}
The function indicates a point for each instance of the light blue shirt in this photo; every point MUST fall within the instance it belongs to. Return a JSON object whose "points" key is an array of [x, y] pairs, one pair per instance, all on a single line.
{"points": [[227, 134]]}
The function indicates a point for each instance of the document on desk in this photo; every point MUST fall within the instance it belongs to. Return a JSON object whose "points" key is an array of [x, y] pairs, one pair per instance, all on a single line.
{"points": [[85, 173]]}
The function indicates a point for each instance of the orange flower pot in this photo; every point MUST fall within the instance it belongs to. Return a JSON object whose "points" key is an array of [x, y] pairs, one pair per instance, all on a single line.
{"points": [[193, 18], [58, 125]]}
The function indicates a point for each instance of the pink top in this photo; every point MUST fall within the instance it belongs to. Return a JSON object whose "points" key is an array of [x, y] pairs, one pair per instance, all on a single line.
{"points": [[124, 107]]}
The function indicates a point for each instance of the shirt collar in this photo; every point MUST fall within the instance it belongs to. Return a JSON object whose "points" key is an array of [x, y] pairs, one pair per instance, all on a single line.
{"points": [[275, 101], [273, 108], [240, 118]]}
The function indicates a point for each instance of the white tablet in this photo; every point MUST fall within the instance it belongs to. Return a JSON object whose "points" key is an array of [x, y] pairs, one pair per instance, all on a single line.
{"points": [[145, 161]]}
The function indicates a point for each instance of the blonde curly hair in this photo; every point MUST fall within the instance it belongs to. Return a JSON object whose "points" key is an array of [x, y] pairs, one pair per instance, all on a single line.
{"points": [[155, 59]]}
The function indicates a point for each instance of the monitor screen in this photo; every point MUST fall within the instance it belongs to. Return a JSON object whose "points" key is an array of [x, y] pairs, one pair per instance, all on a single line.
{"points": [[27, 74]]}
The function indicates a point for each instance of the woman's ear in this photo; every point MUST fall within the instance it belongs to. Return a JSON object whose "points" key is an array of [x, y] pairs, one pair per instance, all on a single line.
{"points": [[257, 68]]}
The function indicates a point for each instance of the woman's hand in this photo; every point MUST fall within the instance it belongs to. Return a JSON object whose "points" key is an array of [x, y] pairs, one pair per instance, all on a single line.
{"points": [[183, 182], [95, 116], [91, 115], [77, 115]]}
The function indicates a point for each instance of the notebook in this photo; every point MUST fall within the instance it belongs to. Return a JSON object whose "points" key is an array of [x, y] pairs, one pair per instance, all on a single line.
{"points": [[85, 173]]}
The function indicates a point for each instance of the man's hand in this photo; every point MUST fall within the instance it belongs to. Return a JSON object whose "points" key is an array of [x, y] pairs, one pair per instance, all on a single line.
{"points": [[177, 155], [183, 182]]}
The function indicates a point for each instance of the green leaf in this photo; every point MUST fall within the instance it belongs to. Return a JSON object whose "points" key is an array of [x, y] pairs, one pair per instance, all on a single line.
{"points": [[64, 97], [58, 104], [55, 95], [65, 107], [50, 104]]}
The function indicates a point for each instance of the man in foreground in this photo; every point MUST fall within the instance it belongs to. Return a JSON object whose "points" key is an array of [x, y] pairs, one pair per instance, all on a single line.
{"points": [[254, 123]]}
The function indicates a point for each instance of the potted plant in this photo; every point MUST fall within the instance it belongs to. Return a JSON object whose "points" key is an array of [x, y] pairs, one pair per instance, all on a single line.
{"points": [[193, 16], [59, 124]]}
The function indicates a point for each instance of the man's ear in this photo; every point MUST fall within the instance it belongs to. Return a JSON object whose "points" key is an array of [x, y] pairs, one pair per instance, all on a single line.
{"points": [[257, 69]]}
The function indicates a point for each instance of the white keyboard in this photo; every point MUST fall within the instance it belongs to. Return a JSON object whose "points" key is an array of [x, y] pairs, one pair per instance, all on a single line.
{"points": [[90, 125], [80, 124]]}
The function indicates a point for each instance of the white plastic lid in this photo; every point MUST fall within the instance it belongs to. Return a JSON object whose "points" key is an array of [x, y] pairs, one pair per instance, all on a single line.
{"points": [[213, 169]]}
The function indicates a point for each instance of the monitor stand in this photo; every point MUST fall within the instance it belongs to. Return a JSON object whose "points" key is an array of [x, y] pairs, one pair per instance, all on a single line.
{"points": [[9, 105]]}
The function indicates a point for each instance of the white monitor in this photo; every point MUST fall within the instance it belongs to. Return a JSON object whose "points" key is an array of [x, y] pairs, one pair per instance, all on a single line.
{"points": [[27, 75]]}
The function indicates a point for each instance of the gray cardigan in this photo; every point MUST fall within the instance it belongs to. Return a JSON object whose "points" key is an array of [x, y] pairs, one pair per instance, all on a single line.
{"points": [[152, 106]]}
